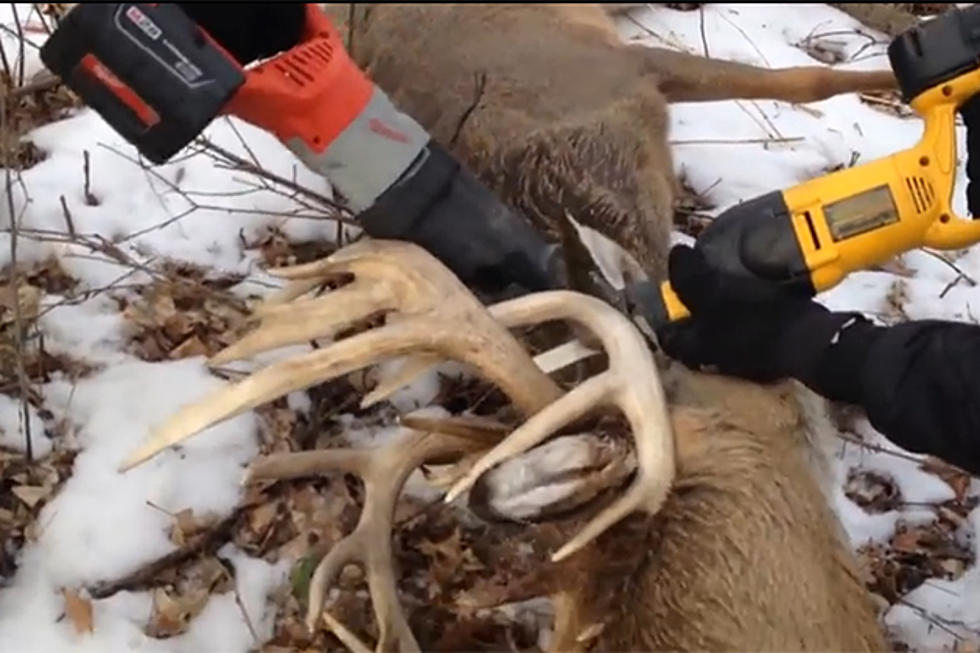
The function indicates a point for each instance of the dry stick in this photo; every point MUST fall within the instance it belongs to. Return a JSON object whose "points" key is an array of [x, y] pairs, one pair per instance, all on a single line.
{"points": [[21, 55], [704, 37], [953, 266], [877, 449], [6, 65], [144, 576], [479, 86], [15, 287], [739, 141], [350, 29], [68, 221], [193, 204], [245, 166], [241, 605], [90, 199]]}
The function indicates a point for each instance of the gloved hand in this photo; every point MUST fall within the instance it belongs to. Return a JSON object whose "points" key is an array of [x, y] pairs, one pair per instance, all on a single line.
{"points": [[757, 340], [971, 119], [250, 30]]}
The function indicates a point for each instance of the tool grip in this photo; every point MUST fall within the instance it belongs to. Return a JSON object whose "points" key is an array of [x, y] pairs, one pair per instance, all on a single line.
{"points": [[674, 309]]}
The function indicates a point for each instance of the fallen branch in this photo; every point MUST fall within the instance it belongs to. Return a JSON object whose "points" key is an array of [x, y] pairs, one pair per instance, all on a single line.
{"points": [[205, 543], [22, 380]]}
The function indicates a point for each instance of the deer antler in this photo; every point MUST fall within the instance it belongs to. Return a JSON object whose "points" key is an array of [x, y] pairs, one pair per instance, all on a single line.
{"points": [[429, 313], [428, 310], [384, 471], [631, 383]]}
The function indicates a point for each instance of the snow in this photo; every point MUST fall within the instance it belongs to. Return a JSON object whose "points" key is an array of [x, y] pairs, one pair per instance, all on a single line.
{"points": [[100, 526]]}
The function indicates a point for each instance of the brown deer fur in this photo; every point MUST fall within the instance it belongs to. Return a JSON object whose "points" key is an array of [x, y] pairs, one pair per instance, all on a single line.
{"points": [[746, 555], [551, 110]]}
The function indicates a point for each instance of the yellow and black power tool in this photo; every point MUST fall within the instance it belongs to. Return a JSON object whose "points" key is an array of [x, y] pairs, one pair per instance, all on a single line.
{"points": [[808, 238]]}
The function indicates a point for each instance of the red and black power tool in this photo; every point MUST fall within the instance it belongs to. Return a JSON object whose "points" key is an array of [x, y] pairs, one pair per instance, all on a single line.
{"points": [[158, 78]]}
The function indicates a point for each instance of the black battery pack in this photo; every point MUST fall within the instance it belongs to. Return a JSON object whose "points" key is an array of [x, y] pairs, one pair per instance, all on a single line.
{"points": [[150, 71]]}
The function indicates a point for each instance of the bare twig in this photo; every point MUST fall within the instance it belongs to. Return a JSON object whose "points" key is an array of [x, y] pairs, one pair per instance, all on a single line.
{"points": [[68, 220], [960, 273], [704, 37], [350, 28], [15, 288], [479, 86], [240, 602], [7, 70], [246, 166], [42, 83], [738, 141], [876, 448], [747, 38], [205, 543], [21, 40], [90, 199]]}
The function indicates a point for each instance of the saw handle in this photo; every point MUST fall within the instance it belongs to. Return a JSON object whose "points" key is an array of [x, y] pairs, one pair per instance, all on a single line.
{"points": [[938, 107]]}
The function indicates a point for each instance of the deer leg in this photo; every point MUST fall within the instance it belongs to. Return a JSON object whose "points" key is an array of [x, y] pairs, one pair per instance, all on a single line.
{"points": [[684, 77]]}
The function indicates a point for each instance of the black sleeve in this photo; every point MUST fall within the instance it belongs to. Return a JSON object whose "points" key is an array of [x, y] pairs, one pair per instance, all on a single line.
{"points": [[919, 383]]}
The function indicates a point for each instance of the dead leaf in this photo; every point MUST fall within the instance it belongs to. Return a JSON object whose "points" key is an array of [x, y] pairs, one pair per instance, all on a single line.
{"points": [[967, 646], [955, 477], [190, 347], [187, 525], [953, 566], [262, 517], [172, 613], [31, 495], [907, 541], [78, 611]]}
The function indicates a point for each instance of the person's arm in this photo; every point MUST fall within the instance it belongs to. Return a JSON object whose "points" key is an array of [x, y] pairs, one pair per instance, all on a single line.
{"points": [[919, 382]]}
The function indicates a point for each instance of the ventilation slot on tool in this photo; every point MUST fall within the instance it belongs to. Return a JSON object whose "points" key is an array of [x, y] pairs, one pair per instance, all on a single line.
{"points": [[922, 193], [813, 230], [302, 64]]}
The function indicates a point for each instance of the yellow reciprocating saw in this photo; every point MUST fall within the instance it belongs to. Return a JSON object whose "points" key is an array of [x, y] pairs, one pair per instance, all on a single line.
{"points": [[808, 238]]}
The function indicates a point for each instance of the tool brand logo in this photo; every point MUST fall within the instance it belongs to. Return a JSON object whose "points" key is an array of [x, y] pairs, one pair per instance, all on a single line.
{"points": [[379, 127], [143, 21]]}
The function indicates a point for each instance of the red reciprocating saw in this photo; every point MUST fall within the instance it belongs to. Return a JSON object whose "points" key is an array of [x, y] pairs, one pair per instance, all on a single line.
{"points": [[159, 79]]}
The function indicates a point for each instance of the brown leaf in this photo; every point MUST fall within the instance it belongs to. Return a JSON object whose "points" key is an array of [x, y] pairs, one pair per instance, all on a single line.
{"points": [[78, 611], [953, 566], [190, 347], [31, 495], [162, 305], [967, 646], [262, 517], [177, 327], [187, 525], [909, 541], [446, 556], [955, 477]]}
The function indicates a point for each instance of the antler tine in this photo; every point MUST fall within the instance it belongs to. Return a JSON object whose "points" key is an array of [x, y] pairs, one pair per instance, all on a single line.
{"points": [[384, 472], [433, 313], [631, 382]]}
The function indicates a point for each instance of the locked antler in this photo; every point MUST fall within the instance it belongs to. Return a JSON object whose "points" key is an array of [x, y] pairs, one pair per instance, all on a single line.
{"points": [[429, 314]]}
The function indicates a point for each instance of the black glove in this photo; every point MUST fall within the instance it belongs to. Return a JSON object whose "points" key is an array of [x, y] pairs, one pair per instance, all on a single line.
{"points": [[250, 30], [756, 340], [971, 118], [441, 206]]}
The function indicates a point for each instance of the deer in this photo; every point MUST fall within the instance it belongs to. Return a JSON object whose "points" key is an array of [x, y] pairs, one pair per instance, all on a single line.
{"points": [[560, 117], [722, 537], [717, 533]]}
